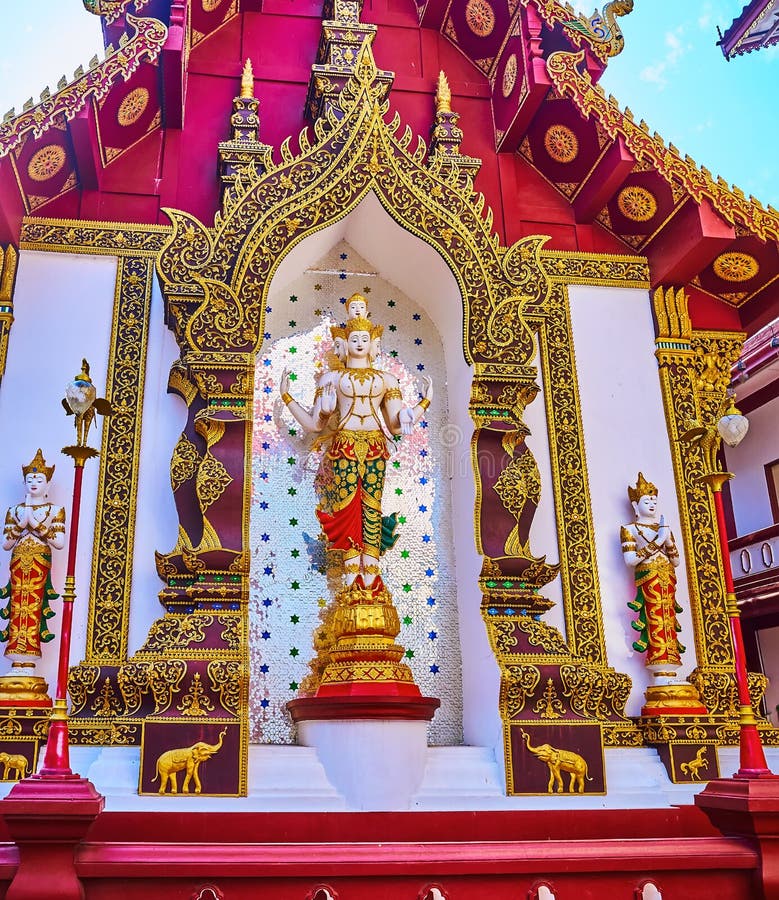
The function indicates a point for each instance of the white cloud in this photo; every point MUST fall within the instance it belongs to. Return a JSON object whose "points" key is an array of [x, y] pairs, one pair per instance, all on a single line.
{"points": [[676, 48]]}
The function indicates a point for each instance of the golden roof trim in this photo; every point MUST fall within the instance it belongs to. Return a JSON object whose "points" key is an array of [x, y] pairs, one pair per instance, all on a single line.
{"points": [[729, 202], [145, 44]]}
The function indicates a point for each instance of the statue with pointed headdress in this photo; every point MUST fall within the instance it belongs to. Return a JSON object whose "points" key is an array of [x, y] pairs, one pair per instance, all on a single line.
{"points": [[648, 547], [357, 409], [32, 530]]}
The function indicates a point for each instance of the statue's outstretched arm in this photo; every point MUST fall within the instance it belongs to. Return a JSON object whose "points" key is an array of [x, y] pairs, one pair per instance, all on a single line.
{"points": [[400, 418], [324, 404]]}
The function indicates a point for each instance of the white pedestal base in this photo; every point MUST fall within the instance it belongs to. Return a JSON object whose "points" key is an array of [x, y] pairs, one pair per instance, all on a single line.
{"points": [[375, 764]]}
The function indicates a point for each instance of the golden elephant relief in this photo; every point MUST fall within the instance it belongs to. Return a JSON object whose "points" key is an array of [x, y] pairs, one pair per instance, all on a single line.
{"points": [[561, 761], [187, 759], [13, 762]]}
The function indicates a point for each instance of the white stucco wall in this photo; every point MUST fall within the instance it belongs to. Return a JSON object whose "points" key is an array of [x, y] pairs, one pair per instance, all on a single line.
{"points": [[625, 432], [748, 489], [63, 305]]}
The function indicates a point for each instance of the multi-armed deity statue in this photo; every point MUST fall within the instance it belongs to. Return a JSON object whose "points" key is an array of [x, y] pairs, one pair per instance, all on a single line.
{"points": [[358, 410], [32, 529]]}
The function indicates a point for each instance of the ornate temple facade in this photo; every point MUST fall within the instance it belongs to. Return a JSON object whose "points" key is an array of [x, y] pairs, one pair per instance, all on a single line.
{"points": [[404, 360]]}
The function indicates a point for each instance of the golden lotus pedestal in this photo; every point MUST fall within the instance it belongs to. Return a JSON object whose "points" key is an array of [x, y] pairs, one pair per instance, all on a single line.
{"points": [[679, 699], [19, 687], [368, 720]]}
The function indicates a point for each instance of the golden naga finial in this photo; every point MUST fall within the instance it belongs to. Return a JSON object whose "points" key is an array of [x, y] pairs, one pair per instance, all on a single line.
{"points": [[443, 95], [247, 81]]}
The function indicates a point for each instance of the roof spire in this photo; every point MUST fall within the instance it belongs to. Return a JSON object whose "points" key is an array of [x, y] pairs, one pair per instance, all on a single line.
{"points": [[247, 80], [443, 94]]}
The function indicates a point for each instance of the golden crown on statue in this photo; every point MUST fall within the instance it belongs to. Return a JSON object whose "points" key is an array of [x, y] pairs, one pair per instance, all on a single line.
{"points": [[643, 488]]}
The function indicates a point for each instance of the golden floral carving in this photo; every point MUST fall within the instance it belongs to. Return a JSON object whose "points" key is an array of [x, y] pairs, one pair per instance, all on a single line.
{"points": [[618, 735], [184, 463], [581, 588], [637, 203], [109, 609], [561, 143], [212, 481], [549, 705], [225, 677], [504, 633], [539, 634], [517, 685], [592, 268], [175, 633], [133, 106], [595, 693], [106, 238], [46, 162], [509, 75], [480, 17], [735, 267], [195, 701], [518, 484], [113, 733], [683, 357]]}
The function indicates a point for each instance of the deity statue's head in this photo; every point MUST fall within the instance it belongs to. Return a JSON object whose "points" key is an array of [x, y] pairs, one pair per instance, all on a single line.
{"points": [[357, 307], [362, 338], [643, 498], [37, 475]]}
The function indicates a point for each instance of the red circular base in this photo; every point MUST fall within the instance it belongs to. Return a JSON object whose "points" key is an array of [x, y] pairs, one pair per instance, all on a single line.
{"points": [[386, 707], [665, 712]]}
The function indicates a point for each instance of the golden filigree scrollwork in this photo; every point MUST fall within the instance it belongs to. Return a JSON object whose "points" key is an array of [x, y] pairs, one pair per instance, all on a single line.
{"points": [[184, 463], [195, 701], [10, 726], [576, 535], [162, 677], [231, 631], [112, 733], [620, 735], [82, 681], [212, 481], [595, 268], [540, 634], [226, 680], [694, 370], [143, 44], [108, 617], [165, 677], [107, 238], [595, 693], [177, 632], [518, 683], [549, 705], [518, 484], [106, 703], [504, 635]]}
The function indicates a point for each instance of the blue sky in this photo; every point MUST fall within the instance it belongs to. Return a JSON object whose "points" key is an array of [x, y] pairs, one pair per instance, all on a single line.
{"points": [[671, 73]]}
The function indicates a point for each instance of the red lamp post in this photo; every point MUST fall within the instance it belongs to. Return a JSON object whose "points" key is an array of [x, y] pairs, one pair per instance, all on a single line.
{"points": [[48, 814], [82, 402], [732, 427]]}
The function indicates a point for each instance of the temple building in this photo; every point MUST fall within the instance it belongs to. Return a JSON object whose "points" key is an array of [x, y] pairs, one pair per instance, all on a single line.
{"points": [[372, 388], [757, 26]]}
